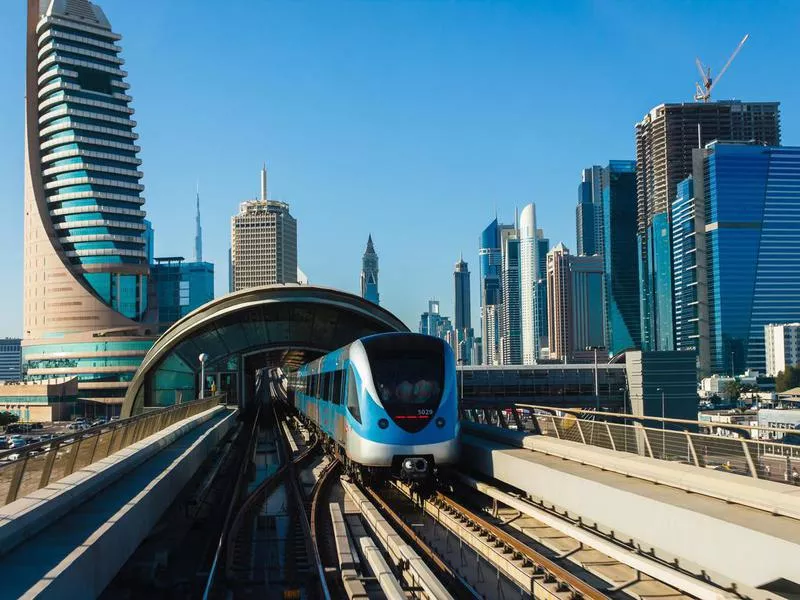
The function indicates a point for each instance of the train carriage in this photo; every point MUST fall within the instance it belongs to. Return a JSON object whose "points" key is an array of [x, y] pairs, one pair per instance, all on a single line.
{"points": [[386, 402]]}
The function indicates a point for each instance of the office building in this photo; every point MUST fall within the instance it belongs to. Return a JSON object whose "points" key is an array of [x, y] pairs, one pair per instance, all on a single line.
{"points": [[198, 233], [689, 275], [665, 139], [589, 213], [543, 247], [463, 330], [85, 248], [511, 326], [490, 255], [10, 359], [180, 287], [575, 300], [44, 401], [621, 281], [263, 242], [751, 197], [781, 346], [369, 273], [433, 323]]}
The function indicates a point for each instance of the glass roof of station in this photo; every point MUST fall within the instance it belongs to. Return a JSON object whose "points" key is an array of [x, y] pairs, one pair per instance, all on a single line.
{"points": [[284, 325]]}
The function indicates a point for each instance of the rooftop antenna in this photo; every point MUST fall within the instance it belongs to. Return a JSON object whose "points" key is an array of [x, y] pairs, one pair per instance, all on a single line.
{"points": [[703, 93]]}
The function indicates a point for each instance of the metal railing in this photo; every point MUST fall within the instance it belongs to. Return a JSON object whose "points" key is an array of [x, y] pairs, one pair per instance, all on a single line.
{"points": [[34, 466], [674, 440]]}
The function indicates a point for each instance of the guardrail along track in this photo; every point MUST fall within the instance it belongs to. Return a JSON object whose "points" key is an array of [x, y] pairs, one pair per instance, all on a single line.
{"points": [[36, 465]]}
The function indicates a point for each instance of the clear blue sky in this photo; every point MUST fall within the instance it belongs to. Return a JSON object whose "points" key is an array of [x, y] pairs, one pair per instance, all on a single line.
{"points": [[409, 120]]}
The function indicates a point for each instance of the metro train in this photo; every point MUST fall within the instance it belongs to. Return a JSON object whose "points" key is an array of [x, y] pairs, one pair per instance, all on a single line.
{"points": [[386, 404]]}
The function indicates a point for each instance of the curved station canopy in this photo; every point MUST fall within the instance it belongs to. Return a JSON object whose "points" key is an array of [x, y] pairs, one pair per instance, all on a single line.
{"points": [[282, 325]]}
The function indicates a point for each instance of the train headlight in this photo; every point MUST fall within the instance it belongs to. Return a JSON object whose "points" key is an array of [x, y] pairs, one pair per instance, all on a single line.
{"points": [[440, 422], [383, 423]]}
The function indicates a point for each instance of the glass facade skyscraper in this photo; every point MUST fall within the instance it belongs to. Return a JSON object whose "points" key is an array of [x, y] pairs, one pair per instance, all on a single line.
{"points": [[690, 291], [589, 213], [180, 288], [511, 336], [665, 139], [751, 196], [464, 332], [620, 256], [85, 248]]}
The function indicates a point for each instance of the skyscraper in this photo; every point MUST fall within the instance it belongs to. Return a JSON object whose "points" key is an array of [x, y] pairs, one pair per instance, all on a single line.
{"points": [[369, 273], [750, 194], [689, 273], [85, 252], [263, 242], [511, 320], [541, 321], [589, 212], [198, 233], [464, 332], [490, 255], [574, 302], [433, 323], [558, 301], [664, 141], [529, 277], [620, 256]]}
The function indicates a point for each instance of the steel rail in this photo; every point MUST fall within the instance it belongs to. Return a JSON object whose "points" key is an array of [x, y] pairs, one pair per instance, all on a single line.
{"points": [[229, 516], [575, 583], [452, 578]]}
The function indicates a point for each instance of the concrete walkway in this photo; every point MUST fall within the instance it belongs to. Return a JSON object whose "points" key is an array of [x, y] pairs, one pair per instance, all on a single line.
{"points": [[77, 555]]}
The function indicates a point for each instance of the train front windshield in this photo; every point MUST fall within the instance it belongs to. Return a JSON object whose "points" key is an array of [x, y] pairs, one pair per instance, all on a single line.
{"points": [[408, 373]]}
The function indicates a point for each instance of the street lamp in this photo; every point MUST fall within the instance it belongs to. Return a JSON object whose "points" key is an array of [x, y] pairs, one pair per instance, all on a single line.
{"points": [[202, 358]]}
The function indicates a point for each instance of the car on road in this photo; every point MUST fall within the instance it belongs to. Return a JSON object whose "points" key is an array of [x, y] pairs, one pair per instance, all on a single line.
{"points": [[15, 442], [99, 422], [78, 426]]}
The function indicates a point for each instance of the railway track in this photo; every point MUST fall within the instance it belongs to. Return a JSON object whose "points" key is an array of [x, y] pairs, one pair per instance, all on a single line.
{"points": [[234, 566]]}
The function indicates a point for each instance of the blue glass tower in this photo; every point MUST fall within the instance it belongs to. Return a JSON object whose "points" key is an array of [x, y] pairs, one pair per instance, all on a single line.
{"points": [[751, 196], [688, 272], [511, 336], [589, 213], [490, 259], [620, 256]]}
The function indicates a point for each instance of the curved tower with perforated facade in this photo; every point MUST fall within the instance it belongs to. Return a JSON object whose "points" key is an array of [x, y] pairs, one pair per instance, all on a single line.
{"points": [[86, 268]]}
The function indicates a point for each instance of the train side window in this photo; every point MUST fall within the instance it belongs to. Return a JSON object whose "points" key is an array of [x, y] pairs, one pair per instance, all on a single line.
{"points": [[337, 387], [352, 396], [325, 393]]}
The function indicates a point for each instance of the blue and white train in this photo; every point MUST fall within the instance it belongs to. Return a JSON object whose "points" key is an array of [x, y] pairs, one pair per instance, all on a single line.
{"points": [[386, 403]]}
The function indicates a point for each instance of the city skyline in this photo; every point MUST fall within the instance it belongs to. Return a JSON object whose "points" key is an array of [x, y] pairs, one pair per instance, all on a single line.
{"points": [[171, 171]]}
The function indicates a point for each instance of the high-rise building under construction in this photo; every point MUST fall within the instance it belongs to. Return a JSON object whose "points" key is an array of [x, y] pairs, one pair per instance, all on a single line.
{"points": [[664, 141]]}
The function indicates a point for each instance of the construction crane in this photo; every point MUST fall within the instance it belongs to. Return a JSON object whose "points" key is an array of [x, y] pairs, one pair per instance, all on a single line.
{"points": [[703, 93]]}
